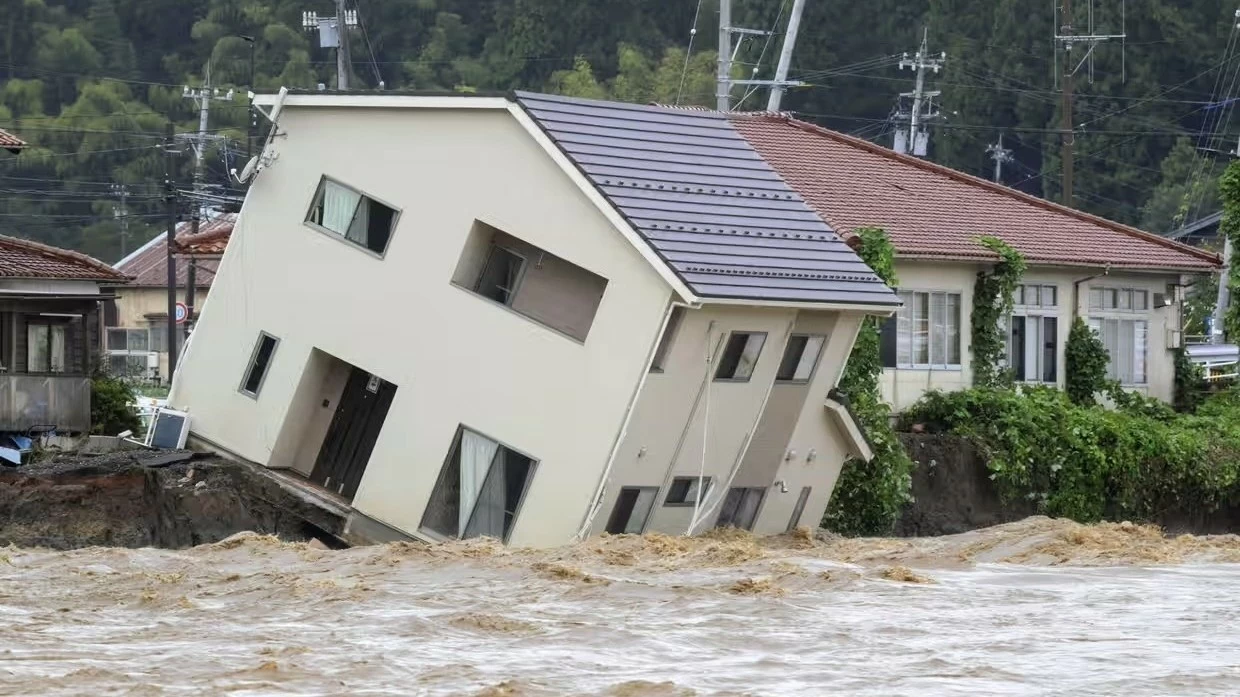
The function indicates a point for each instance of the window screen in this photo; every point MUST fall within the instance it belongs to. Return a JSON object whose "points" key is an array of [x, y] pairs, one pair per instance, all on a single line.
{"points": [[684, 491], [740, 354], [633, 506], [800, 357]]}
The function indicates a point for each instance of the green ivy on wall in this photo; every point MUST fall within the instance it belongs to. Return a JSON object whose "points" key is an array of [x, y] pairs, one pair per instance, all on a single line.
{"points": [[992, 301], [868, 496], [1085, 363]]}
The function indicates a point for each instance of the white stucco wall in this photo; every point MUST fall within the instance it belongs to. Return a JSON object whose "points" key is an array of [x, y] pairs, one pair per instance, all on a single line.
{"points": [[665, 436], [901, 387], [456, 358]]}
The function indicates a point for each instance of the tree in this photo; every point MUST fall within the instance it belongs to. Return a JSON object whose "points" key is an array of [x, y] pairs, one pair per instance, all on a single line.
{"points": [[1188, 190]]}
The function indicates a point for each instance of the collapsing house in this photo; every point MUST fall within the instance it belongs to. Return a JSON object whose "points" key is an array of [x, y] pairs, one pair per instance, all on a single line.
{"points": [[530, 318]]}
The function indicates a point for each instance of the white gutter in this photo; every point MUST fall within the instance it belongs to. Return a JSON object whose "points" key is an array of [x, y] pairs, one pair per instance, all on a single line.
{"points": [[384, 101]]}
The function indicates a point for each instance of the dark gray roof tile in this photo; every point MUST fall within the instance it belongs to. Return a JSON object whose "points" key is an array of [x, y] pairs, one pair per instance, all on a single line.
{"points": [[706, 202]]}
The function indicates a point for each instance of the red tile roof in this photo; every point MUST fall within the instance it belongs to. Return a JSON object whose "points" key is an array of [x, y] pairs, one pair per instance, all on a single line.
{"points": [[10, 142], [28, 259], [149, 264], [931, 211]]}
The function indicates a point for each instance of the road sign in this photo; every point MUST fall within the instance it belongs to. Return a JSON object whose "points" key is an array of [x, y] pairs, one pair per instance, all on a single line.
{"points": [[182, 313]]}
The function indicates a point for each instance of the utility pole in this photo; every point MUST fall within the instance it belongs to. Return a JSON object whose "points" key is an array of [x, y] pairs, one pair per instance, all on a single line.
{"points": [[170, 205], [916, 139], [121, 191], [1001, 156], [1067, 154], [723, 80], [1066, 37], [727, 56], [785, 56], [252, 115], [334, 33], [203, 96]]}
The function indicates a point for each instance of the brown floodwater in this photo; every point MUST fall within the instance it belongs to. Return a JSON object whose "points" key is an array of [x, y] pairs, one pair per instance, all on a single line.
{"points": [[1032, 608]]}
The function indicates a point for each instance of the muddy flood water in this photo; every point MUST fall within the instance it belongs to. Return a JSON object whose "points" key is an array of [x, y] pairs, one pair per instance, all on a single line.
{"points": [[1038, 607]]}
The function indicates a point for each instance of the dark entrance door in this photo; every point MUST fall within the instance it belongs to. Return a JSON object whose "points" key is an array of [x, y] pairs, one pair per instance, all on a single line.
{"points": [[353, 432]]}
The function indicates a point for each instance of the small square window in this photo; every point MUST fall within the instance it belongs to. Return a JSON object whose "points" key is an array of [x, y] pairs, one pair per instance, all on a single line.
{"points": [[1125, 300], [1140, 300], [501, 275], [800, 357], [740, 355], [1048, 296], [633, 505], [352, 215], [1095, 298], [260, 361], [1031, 295], [684, 491], [1018, 297]]}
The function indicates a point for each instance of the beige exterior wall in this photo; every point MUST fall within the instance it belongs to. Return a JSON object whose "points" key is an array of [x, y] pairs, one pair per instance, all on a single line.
{"points": [[134, 304], [666, 433], [455, 357], [901, 387]]}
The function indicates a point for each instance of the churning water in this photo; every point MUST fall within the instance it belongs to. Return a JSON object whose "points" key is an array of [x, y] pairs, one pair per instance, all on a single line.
{"points": [[1033, 608]]}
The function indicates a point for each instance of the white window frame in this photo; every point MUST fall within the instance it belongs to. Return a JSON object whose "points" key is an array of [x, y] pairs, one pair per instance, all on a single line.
{"points": [[911, 294], [1038, 312], [315, 199], [1095, 323]]}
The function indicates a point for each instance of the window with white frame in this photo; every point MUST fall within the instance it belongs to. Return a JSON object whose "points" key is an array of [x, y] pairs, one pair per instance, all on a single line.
{"points": [[1120, 317], [1127, 341], [928, 330], [352, 215], [1032, 334]]}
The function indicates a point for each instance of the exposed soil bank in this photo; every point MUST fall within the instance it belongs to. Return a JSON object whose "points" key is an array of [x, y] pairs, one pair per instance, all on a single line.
{"points": [[953, 493], [134, 499]]}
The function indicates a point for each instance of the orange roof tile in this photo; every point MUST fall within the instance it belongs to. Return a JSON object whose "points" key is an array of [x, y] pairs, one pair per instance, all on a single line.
{"points": [[931, 211], [28, 259]]}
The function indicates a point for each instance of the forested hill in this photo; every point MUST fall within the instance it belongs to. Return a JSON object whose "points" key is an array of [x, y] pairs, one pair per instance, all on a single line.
{"points": [[92, 83]]}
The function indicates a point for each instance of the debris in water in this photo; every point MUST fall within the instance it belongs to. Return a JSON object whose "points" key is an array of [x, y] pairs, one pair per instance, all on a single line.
{"points": [[904, 574], [758, 586], [567, 573], [492, 623]]}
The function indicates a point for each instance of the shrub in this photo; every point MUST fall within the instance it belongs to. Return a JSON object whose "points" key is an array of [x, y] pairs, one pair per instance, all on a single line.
{"points": [[1088, 463], [111, 409], [869, 495], [1086, 360]]}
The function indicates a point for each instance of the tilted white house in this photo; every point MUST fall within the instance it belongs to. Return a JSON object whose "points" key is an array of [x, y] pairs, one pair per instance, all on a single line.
{"points": [[530, 318]]}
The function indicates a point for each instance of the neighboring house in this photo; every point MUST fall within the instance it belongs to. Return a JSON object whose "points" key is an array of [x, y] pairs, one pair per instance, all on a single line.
{"points": [[136, 341], [10, 142], [530, 318], [49, 335], [1128, 284]]}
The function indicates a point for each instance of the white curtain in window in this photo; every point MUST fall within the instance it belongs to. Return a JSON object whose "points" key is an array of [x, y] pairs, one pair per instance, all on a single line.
{"points": [[37, 359], [489, 510], [477, 453], [1140, 330], [57, 356], [921, 329], [953, 329], [904, 330], [339, 205], [938, 329]]}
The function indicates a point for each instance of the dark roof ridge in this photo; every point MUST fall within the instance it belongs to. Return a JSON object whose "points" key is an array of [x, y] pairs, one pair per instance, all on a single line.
{"points": [[982, 183]]}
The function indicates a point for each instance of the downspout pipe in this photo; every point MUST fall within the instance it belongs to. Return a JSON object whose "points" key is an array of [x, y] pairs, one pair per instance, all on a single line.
{"points": [[1076, 290]]}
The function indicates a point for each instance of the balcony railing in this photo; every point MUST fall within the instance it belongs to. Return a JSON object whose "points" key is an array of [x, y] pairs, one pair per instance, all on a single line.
{"points": [[62, 401]]}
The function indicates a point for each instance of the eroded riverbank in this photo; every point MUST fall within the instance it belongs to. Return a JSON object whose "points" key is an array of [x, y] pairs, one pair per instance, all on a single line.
{"points": [[1034, 607]]}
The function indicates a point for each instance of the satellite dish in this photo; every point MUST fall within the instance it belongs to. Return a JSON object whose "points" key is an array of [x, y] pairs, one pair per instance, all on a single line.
{"points": [[248, 170], [278, 106]]}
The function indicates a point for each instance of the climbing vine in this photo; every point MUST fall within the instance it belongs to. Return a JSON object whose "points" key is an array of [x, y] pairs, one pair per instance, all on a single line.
{"points": [[1229, 192], [1085, 361], [992, 301], [868, 496], [1190, 383]]}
